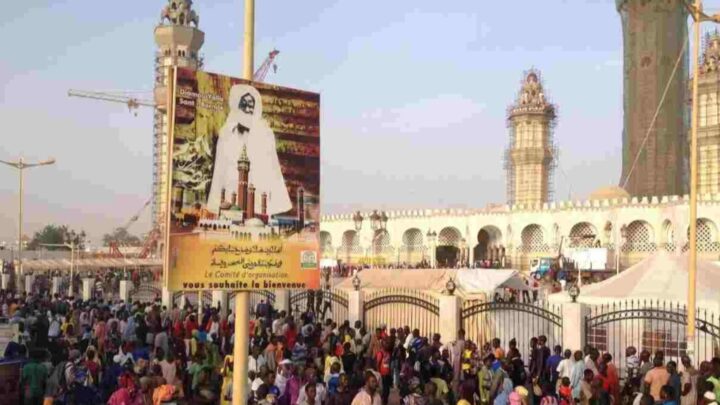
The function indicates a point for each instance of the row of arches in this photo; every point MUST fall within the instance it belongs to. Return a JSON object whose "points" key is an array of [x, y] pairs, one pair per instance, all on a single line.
{"points": [[638, 236]]}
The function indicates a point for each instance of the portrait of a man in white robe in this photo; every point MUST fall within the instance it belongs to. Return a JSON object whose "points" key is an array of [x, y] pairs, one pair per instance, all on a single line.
{"points": [[245, 127]]}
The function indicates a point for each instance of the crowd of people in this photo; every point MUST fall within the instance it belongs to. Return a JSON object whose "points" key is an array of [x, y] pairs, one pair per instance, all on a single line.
{"points": [[90, 352]]}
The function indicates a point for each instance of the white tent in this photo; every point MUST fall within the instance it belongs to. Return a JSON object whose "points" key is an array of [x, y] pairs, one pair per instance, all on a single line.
{"points": [[468, 282], [662, 276]]}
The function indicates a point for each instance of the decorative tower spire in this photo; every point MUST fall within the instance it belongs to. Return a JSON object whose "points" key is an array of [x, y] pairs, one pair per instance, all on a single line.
{"points": [[530, 157], [178, 40], [179, 12], [243, 165], [709, 117], [250, 202]]}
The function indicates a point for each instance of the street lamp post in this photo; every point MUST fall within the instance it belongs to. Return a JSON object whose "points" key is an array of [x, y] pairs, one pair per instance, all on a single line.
{"points": [[432, 236], [357, 220], [20, 165], [618, 244], [72, 247], [378, 224]]}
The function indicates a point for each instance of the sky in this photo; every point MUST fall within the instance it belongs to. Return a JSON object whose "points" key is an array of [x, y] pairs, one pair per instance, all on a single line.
{"points": [[413, 98]]}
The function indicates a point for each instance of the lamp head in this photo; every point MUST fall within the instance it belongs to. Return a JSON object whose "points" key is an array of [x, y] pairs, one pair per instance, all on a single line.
{"points": [[450, 286], [375, 220], [357, 219], [574, 292]]}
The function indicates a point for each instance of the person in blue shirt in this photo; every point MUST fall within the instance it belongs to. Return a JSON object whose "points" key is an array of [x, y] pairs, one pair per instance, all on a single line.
{"points": [[674, 380], [667, 395], [552, 364]]}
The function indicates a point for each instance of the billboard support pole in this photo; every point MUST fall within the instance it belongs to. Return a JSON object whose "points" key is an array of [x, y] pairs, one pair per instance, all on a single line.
{"points": [[692, 262], [242, 298]]}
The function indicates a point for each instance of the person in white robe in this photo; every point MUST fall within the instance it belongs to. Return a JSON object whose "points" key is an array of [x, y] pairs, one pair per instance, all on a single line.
{"points": [[245, 127]]}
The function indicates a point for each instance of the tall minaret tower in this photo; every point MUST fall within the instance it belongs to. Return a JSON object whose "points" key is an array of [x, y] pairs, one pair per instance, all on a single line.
{"points": [[708, 118], [243, 166], [654, 35], [178, 40], [530, 157]]}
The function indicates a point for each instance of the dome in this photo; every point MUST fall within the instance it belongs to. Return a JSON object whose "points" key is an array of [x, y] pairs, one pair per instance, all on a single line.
{"points": [[254, 223], [609, 193]]}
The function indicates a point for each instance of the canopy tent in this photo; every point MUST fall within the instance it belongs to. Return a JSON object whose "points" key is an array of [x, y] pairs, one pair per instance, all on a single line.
{"points": [[468, 282], [64, 264], [662, 276]]}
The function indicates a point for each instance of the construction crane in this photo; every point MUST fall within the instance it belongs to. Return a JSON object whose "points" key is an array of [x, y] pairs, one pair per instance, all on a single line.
{"points": [[260, 74], [114, 246], [133, 103]]}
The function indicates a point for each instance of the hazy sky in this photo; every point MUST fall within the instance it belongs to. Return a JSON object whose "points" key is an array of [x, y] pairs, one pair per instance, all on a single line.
{"points": [[414, 95]]}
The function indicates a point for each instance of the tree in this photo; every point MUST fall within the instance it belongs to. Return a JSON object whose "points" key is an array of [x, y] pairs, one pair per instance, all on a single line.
{"points": [[122, 237], [54, 234]]}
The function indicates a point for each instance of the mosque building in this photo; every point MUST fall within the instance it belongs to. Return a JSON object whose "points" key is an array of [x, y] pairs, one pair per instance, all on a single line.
{"points": [[532, 226]]}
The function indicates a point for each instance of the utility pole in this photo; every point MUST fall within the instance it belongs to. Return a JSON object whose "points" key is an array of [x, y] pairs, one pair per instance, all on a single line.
{"points": [[692, 265], [242, 298], [21, 165]]}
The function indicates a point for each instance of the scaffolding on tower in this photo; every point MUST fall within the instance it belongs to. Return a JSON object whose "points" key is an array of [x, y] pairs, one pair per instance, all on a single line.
{"points": [[531, 102]]}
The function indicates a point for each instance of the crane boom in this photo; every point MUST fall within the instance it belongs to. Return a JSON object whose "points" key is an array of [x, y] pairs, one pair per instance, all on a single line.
{"points": [[260, 74], [133, 102]]}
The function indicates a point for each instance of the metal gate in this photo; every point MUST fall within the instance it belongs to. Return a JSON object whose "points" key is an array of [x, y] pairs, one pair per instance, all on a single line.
{"points": [[399, 307], [334, 303], [255, 298], [145, 293], [652, 326], [483, 321]]}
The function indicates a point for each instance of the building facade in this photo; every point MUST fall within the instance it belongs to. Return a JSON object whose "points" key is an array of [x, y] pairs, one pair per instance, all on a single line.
{"points": [[178, 41], [708, 123], [530, 158], [655, 159], [629, 227]]}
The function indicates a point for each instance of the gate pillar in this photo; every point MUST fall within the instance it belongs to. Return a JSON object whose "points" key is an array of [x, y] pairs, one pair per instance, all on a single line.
{"points": [[282, 301], [450, 321], [220, 299], [87, 288], [166, 298], [574, 314], [29, 280], [56, 285], [125, 286], [356, 307]]}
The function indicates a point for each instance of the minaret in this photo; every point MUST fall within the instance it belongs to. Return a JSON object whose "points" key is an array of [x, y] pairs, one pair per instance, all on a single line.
{"points": [[250, 202], [301, 208], [243, 165], [708, 121], [654, 34], [178, 41], [530, 157], [263, 204]]}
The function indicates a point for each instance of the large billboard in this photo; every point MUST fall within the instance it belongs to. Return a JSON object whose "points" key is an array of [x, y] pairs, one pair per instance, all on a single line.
{"points": [[245, 185]]}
